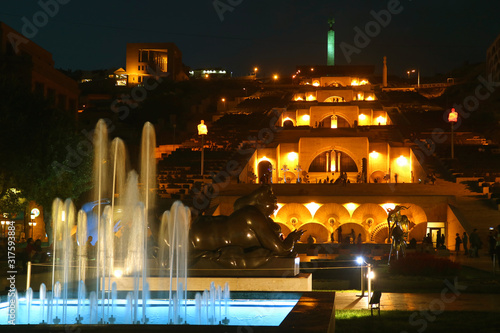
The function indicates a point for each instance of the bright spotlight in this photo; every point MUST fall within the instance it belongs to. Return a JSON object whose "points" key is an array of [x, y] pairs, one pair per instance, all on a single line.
{"points": [[359, 260], [118, 273], [371, 275]]}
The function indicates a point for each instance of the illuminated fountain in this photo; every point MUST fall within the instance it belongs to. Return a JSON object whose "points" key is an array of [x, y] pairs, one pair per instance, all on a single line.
{"points": [[83, 290]]}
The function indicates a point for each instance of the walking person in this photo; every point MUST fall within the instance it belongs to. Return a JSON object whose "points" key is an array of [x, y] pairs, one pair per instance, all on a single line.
{"points": [[458, 241], [465, 240]]}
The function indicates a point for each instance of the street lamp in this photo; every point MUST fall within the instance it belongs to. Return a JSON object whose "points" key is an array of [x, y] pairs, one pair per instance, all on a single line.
{"points": [[452, 119], [369, 276], [32, 226], [202, 130], [255, 72]]}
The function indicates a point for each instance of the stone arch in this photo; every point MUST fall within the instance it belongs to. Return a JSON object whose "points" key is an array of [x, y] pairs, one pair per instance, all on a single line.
{"points": [[263, 173], [377, 176], [369, 212], [293, 210], [415, 213], [380, 233], [288, 119], [331, 210], [317, 230], [358, 228], [332, 99], [418, 232], [285, 229], [338, 149]]}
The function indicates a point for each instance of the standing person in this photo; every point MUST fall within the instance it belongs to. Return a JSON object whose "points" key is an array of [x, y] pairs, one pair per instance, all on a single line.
{"points": [[443, 244], [438, 240], [339, 235], [353, 236], [396, 178], [465, 239], [492, 242], [474, 243], [458, 241]]}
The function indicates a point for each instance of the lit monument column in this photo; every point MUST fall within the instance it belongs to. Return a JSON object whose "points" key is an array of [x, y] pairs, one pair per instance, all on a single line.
{"points": [[330, 53], [202, 130]]}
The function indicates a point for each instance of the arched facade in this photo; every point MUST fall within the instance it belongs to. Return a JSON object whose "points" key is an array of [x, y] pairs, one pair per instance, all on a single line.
{"points": [[367, 219]]}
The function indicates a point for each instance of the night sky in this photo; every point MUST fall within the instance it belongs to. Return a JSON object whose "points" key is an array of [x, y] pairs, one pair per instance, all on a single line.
{"points": [[276, 35]]}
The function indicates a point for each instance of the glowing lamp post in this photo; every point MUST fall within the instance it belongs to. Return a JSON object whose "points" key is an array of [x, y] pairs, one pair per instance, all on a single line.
{"points": [[452, 119], [202, 130]]}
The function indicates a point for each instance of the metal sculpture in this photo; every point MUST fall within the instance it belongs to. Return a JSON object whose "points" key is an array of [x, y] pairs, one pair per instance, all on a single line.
{"points": [[397, 231], [247, 238]]}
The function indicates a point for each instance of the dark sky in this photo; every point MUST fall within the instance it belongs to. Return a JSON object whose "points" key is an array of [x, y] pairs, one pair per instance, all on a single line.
{"points": [[275, 35]]}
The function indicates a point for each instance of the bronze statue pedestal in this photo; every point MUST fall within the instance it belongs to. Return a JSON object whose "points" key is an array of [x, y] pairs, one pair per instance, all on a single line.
{"points": [[274, 267]]}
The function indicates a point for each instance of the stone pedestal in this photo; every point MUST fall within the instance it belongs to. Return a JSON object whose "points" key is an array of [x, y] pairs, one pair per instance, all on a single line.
{"points": [[275, 267]]}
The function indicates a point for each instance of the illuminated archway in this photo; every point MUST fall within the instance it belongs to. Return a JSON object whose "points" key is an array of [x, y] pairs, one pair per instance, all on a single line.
{"points": [[317, 230], [334, 99], [358, 229], [334, 211], [265, 172], [288, 122], [338, 120], [333, 161], [380, 234], [418, 232], [293, 215], [377, 177]]}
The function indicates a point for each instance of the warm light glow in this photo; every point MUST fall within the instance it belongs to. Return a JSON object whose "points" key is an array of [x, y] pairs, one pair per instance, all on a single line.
{"points": [[202, 128], [361, 117], [298, 98], [388, 206], [63, 216], [354, 83], [277, 209], [312, 69], [255, 69], [311, 98], [316, 83], [363, 82], [275, 76], [369, 98], [371, 275], [223, 99], [206, 75], [334, 122], [381, 120], [351, 207], [287, 118], [374, 154], [312, 207], [118, 273], [453, 116], [306, 118], [402, 161], [292, 156]]}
